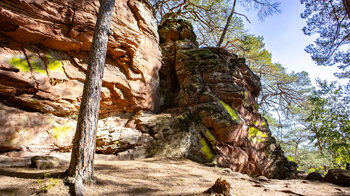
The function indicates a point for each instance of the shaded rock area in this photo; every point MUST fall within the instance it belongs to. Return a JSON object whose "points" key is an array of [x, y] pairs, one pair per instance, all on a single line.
{"points": [[200, 104], [44, 51], [314, 176], [338, 176]]}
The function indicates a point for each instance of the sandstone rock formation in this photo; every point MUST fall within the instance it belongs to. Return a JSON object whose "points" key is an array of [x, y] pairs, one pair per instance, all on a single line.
{"points": [[42, 133], [210, 94], [202, 105], [44, 50]]}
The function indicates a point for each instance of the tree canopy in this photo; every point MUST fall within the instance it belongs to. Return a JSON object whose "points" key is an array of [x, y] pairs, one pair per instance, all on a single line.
{"points": [[329, 120], [216, 21], [330, 21]]}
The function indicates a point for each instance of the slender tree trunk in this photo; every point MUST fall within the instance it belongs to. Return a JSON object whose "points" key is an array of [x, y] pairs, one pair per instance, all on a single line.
{"points": [[296, 150], [81, 166], [347, 6], [223, 34]]}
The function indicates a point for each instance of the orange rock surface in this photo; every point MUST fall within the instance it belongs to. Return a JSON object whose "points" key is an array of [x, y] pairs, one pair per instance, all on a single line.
{"points": [[44, 51]]}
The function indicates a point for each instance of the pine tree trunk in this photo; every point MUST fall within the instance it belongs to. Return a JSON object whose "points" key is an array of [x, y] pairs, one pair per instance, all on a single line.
{"points": [[228, 22], [81, 166]]}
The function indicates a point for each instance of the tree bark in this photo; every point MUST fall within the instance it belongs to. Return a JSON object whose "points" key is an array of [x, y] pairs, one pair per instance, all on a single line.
{"points": [[81, 166], [223, 34], [347, 7]]}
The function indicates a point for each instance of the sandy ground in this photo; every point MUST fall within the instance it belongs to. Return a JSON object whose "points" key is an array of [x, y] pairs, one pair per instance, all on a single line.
{"points": [[156, 176]]}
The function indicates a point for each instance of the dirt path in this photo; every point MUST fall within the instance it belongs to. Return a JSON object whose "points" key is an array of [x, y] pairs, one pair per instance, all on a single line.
{"points": [[156, 176]]}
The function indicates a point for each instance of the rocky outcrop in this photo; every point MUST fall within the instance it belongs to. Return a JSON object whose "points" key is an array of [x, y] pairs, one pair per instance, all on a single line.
{"points": [[210, 94], [44, 51], [202, 105]]}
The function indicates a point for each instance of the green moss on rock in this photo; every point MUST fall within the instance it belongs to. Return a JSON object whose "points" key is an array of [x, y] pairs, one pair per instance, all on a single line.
{"points": [[37, 64], [61, 131], [256, 135], [206, 149], [231, 111]]}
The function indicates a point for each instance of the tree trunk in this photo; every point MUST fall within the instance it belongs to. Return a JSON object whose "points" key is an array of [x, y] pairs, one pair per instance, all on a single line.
{"points": [[223, 34], [296, 150], [81, 166], [347, 7]]}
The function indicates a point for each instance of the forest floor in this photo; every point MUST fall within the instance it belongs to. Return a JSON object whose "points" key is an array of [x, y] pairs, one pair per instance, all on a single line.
{"points": [[155, 176]]}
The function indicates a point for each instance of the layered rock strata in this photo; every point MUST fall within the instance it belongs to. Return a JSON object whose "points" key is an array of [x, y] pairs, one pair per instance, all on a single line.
{"points": [[44, 51]]}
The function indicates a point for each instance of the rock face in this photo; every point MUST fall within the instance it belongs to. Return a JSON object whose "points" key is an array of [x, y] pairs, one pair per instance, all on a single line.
{"points": [[33, 131], [44, 51], [210, 94], [202, 105]]}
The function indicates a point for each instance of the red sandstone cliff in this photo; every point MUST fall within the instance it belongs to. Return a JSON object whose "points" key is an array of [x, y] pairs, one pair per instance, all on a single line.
{"points": [[204, 96], [44, 51]]}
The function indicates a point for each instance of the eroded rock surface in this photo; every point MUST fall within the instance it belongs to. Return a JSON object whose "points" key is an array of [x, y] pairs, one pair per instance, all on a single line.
{"points": [[213, 114], [43, 133], [44, 51]]}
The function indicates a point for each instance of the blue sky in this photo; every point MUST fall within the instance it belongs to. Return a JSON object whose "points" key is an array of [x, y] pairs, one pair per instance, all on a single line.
{"points": [[285, 40]]}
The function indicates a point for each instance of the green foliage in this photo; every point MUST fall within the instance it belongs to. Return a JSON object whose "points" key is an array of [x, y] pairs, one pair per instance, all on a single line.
{"points": [[280, 90], [46, 184], [309, 159], [209, 17], [329, 120], [329, 20]]}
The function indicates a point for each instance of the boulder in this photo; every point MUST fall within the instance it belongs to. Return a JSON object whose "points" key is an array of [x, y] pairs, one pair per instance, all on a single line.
{"points": [[314, 176], [338, 176], [116, 139], [44, 162]]}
